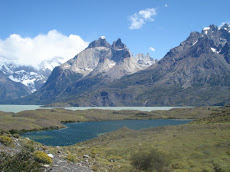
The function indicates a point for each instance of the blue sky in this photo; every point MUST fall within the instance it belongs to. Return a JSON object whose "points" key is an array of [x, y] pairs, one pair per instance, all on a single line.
{"points": [[163, 28]]}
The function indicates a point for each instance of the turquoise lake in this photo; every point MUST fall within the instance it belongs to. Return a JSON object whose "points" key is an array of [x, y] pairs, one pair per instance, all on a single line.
{"points": [[82, 131]]}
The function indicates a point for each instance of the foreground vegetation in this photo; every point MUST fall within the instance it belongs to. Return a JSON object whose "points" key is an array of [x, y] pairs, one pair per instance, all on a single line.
{"points": [[200, 146], [17, 154]]}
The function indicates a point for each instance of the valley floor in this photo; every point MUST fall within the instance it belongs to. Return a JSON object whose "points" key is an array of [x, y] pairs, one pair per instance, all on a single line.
{"points": [[200, 146]]}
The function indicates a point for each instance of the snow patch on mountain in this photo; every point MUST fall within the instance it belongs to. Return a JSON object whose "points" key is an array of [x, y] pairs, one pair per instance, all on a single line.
{"points": [[214, 50], [28, 75], [194, 43], [206, 29], [51, 64]]}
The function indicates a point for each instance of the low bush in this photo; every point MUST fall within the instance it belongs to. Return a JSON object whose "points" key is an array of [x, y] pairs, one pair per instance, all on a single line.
{"points": [[23, 162], [13, 131], [149, 160], [42, 157], [29, 145], [71, 157], [6, 140]]}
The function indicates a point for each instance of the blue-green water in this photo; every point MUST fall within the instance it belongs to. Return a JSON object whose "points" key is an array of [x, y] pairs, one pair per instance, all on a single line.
{"points": [[82, 131]]}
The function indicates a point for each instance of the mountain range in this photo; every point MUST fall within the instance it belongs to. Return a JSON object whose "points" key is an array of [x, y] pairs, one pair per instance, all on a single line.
{"points": [[96, 66], [20, 80], [195, 73]]}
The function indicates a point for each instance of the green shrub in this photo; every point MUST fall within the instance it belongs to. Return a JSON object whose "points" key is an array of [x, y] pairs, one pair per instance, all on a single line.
{"points": [[152, 160], [6, 140], [13, 131], [29, 145], [71, 157], [23, 162], [42, 157]]}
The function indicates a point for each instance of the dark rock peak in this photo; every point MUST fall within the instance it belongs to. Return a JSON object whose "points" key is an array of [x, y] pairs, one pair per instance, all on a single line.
{"points": [[193, 35], [118, 44], [101, 42], [214, 27], [192, 39], [225, 27], [196, 44]]}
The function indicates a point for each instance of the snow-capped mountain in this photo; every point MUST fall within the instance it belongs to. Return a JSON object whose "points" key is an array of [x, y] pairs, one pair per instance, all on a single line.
{"points": [[49, 65], [29, 76], [144, 60]]}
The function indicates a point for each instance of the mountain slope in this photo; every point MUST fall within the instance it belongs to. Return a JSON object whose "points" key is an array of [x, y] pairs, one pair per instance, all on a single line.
{"points": [[11, 90], [195, 73]]}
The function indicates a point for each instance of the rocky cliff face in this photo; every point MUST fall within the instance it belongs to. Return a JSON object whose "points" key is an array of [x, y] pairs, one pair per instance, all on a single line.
{"points": [[102, 58]]}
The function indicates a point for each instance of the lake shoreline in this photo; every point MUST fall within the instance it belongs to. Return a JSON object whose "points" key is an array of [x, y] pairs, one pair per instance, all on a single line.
{"points": [[48, 119], [21, 132], [74, 133], [72, 122]]}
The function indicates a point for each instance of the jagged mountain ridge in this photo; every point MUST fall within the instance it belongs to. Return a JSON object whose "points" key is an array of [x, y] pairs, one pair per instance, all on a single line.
{"points": [[195, 73], [33, 78], [101, 57], [20, 80], [94, 67]]}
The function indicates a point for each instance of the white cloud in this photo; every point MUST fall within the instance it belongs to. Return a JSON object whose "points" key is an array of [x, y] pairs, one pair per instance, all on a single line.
{"points": [[166, 5], [139, 19], [31, 51], [152, 49]]}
